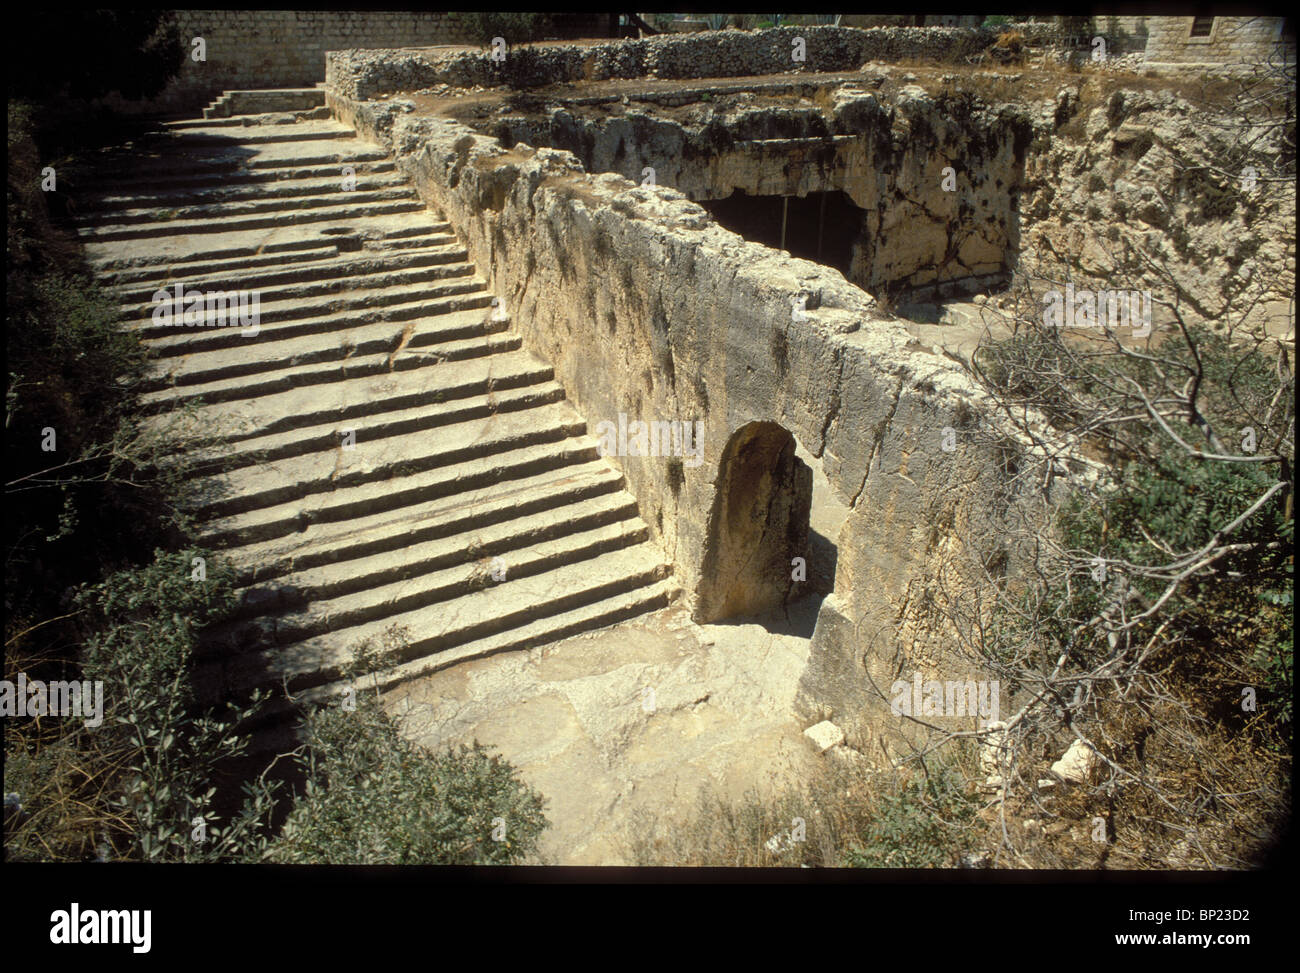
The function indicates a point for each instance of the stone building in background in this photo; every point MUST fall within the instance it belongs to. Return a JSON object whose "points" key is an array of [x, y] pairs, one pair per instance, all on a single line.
{"points": [[1213, 40]]}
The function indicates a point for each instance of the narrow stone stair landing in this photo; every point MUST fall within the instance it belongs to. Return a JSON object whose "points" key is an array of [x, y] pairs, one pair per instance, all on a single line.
{"points": [[382, 450], [261, 101]]}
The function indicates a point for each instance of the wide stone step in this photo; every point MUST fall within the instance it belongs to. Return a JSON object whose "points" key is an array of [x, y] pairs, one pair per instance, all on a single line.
{"points": [[147, 279], [229, 246], [278, 301], [193, 182], [197, 137], [324, 544], [376, 233], [279, 189], [390, 423], [256, 273], [496, 611], [274, 729], [304, 479], [407, 243], [228, 209], [286, 116], [324, 600], [179, 227], [371, 498], [244, 377], [350, 399], [260, 100], [283, 319], [520, 536], [216, 163]]}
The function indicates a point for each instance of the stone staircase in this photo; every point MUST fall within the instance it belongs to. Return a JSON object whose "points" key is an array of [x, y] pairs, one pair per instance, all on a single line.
{"points": [[264, 101], [383, 452]]}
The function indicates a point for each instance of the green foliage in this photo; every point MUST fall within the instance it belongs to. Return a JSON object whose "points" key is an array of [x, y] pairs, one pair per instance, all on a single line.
{"points": [[97, 500], [1079, 30], [63, 332], [927, 824], [1275, 657], [1229, 623], [517, 27], [94, 52], [1180, 502], [143, 629], [373, 797]]}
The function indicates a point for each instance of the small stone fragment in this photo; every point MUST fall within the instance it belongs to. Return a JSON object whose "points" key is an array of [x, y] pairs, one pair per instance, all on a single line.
{"points": [[824, 735], [1077, 764]]}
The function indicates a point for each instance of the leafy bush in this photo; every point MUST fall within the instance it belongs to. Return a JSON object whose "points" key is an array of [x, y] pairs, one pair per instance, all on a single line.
{"points": [[372, 797], [516, 27], [1161, 654], [927, 824], [167, 753]]}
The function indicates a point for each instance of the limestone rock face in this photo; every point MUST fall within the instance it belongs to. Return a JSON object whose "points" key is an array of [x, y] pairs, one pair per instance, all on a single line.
{"points": [[650, 311], [1111, 186], [934, 180]]}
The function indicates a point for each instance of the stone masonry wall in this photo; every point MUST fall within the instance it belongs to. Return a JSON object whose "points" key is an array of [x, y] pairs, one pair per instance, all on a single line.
{"points": [[1232, 40], [286, 48], [712, 54]]}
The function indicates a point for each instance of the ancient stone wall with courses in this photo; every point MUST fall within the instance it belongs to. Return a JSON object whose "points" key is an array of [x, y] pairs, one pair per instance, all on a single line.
{"points": [[1232, 40], [286, 48]]}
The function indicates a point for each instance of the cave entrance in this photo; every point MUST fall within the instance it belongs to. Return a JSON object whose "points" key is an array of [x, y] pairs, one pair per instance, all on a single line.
{"points": [[820, 226], [758, 524]]}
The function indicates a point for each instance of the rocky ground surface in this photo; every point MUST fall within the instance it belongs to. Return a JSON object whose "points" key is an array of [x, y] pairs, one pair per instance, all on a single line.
{"points": [[633, 720]]}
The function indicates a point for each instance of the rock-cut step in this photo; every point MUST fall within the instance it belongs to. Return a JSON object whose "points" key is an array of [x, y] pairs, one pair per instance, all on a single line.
{"points": [[271, 727], [333, 597], [486, 611], [458, 516], [382, 456]]}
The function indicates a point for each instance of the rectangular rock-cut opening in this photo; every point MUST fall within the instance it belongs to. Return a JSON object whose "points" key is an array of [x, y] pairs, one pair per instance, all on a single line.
{"points": [[911, 195], [822, 226]]}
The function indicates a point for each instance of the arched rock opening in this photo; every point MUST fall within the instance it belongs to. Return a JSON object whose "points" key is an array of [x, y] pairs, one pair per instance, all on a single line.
{"points": [[758, 523]]}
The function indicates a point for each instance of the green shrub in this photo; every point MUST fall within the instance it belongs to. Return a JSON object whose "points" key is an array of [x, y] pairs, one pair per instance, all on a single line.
{"points": [[517, 27], [372, 797], [166, 753], [927, 824]]}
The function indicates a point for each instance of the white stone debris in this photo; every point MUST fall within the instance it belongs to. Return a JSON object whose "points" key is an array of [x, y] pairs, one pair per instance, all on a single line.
{"points": [[824, 735], [1077, 764]]}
